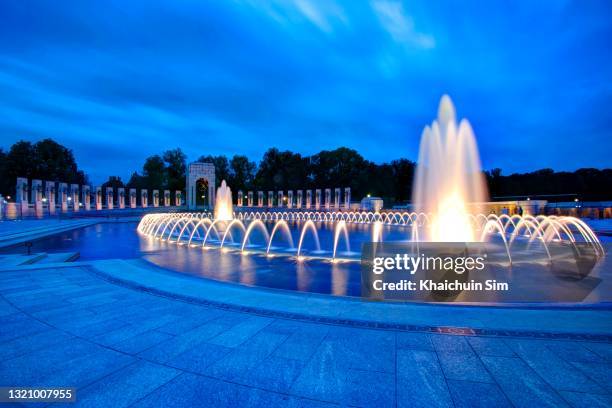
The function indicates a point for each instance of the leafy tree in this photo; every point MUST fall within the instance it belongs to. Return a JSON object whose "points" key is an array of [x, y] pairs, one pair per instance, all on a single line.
{"points": [[242, 173], [175, 169], [281, 171], [154, 172]]}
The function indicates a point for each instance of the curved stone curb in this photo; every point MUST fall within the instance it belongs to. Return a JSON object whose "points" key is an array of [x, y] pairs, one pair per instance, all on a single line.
{"points": [[585, 325]]}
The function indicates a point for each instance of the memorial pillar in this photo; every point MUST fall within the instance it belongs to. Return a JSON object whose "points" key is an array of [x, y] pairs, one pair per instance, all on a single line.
{"points": [[280, 199], [166, 198], [86, 197], [250, 198], [63, 196], [21, 195], [155, 198], [317, 198], [110, 198], [98, 198], [144, 198], [270, 198], [260, 198], [37, 197], [290, 199], [347, 198], [337, 194], [298, 203], [177, 198], [308, 199], [327, 198], [50, 193], [121, 197], [74, 194], [239, 199], [133, 198]]}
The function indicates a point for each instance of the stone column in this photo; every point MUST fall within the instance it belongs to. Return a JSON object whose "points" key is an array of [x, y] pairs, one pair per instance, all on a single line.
{"points": [[63, 196], [121, 197], [21, 195], [308, 199], [347, 198], [260, 197], [133, 198], [270, 198], [280, 199], [250, 198], [98, 198], [298, 203], [327, 198], [337, 194], [317, 198], [50, 193], [166, 198], [290, 199], [239, 199], [86, 197], [178, 197], [37, 197], [144, 198], [110, 198], [74, 194], [155, 198]]}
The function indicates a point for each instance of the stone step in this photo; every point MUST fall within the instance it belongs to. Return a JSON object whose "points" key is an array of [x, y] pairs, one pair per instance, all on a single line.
{"points": [[20, 259], [59, 257]]}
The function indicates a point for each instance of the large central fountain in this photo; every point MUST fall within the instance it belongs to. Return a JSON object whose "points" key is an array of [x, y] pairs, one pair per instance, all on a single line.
{"points": [[449, 183]]}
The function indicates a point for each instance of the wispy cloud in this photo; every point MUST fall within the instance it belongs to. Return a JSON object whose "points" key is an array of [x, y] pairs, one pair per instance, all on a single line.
{"points": [[400, 25]]}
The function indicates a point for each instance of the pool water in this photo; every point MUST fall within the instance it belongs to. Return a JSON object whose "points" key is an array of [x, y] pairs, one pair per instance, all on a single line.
{"points": [[121, 240]]}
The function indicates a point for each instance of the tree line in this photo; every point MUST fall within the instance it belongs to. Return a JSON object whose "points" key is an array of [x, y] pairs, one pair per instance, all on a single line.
{"points": [[285, 170]]}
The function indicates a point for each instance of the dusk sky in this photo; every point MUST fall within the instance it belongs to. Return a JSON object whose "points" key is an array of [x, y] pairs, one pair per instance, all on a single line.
{"points": [[117, 81]]}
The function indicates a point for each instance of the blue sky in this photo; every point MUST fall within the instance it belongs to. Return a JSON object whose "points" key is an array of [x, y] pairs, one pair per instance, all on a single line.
{"points": [[117, 81]]}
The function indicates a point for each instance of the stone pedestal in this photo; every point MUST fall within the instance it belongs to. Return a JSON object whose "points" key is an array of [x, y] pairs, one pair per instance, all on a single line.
{"points": [[86, 197], [121, 197], [144, 198], [50, 194], [74, 197], [110, 198], [62, 195], [132, 198]]}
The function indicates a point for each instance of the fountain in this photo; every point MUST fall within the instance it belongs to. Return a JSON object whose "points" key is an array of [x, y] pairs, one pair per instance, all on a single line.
{"points": [[449, 191], [223, 203], [448, 177]]}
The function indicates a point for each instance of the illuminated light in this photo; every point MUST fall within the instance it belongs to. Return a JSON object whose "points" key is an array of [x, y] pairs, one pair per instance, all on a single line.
{"points": [[300, 258], [224, 250], [369, 195]]}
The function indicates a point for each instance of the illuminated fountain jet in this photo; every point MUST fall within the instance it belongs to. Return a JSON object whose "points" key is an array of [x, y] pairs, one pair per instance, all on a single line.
{"points": [[448, 182], [224, 210]]}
